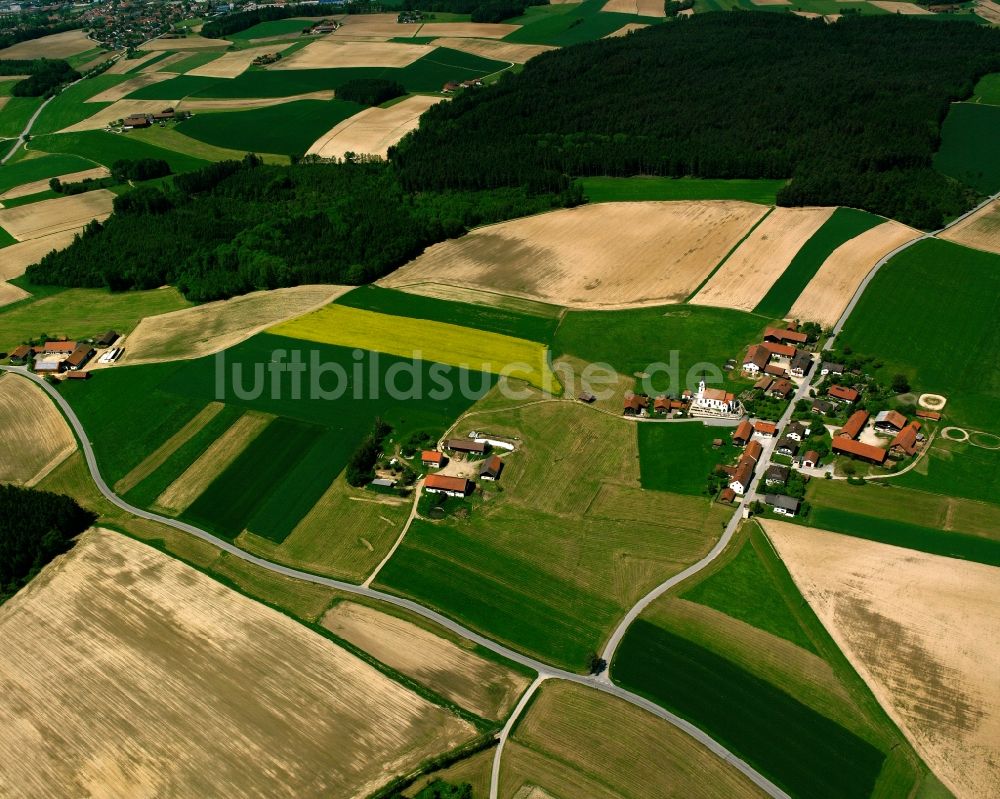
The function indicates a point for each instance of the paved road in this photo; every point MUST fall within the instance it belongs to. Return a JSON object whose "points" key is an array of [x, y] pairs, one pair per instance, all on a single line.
{"points": [[544, 670], [27, 128]]}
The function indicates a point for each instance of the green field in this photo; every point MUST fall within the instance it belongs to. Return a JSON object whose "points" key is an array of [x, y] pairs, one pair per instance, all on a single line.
{"points": [[16, 113], [233, 498], [146, 492], [606, 190], [958, 470], [679, 457], [568, 543], [532, 327], [81, 312], [987, 91], [171, 138], [289, 128], [563, 25], [842, 226], [28, 170], [6, 239], [276, 27], [632, 340], [923, 314], [968, 146], [801, 750], [106, 148], [180, 389], [911, 536], [427, 74], [745, 589], [192, 61], [70, 105]]}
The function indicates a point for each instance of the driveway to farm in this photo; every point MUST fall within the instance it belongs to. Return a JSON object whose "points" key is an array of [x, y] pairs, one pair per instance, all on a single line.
{"points": [[545, 671]]}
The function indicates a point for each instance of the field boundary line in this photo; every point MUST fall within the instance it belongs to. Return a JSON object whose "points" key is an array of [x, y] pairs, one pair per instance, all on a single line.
{"points": [[600, 683], [729, 254]]}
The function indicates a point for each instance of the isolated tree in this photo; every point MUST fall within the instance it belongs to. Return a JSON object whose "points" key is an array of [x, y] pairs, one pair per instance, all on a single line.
{"points": [[900, 384]]}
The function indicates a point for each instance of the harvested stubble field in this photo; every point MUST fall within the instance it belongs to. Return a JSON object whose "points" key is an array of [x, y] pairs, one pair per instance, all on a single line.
{"points": [[211, 463], [551, 562], [450, 669], [922, 631], [160, 64], [36, 438], [426, 340], [331, 53], [229, 65], [124, 65], [493, 48], [26, 189], [215, 326], [981, 231], [119, 110], [108, 647], [367, 526], [894, 7], [185, 43], [750, 271], [18, 257], [125, 88], [56, 45], [53, 216], [10, 293], [575, 741], [584, 258], [372, 25], [625, 30], [374, 130], [643, 8], [826, 296]]}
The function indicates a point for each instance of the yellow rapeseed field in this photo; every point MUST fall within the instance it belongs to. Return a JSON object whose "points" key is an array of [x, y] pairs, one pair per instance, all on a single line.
{"points": [[425, 340]]}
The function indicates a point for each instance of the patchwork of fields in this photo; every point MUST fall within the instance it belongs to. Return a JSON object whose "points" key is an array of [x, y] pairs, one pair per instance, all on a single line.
{"points": [[36, 438]]}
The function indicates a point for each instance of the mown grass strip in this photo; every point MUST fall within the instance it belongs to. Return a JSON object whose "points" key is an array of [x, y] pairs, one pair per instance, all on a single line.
{"points": [[800, 750], [842, 226]]}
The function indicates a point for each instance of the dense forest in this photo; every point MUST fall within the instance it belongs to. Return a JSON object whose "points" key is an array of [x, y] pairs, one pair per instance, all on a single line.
{"points": [[44, 75], [481, 10], [370, 91], [233, 227], [850, 112], [35, 526]]}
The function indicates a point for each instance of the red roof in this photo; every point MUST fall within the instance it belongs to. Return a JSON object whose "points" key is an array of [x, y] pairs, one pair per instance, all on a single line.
{"points": [[431, 456], [849, 446], [786, 335], [757, 355], [779, 349], [812, 455], [445, 483], [764, 383], [767, 428], [843, 392], [59, 346], [752, 452], [661, 404], [774, 369], [635, 402], [727, 495], [744, 430], [932, 415], [854, 425], [906, 439]]}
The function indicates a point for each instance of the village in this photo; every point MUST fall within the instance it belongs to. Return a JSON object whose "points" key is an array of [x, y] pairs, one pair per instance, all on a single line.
{"points": [[841, 421]]}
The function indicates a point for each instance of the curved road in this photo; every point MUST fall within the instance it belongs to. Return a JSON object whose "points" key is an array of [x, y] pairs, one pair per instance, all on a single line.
{"points": [[544, 670]]}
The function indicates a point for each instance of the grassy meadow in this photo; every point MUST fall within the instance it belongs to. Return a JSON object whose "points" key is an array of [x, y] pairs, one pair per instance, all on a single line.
{"points": [[842, 226], [424, 339], [106, 148], [632, 340], [922, 315], [646, 188], [571, 23], [679, 456], [70, 105], [16, 113], [987, 91], [287, 129], [957, 469], [28, 170], [552, 556]]}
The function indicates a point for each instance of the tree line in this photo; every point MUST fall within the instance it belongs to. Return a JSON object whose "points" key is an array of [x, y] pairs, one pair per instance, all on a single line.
{"points": [[481, 10], [44, 75], [34, 31], [122, 171], [35, 526], [370, 91], [239, 226], [851, 112]]}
